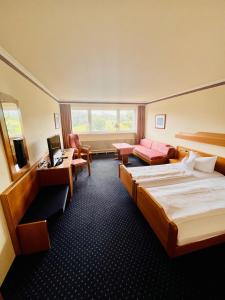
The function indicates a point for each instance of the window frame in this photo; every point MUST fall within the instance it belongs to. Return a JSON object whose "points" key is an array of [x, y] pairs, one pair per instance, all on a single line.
{"points": [[117, 131]]}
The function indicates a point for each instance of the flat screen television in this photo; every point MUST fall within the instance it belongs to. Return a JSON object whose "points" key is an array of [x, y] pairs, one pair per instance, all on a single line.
{"points": [[55, 152]]}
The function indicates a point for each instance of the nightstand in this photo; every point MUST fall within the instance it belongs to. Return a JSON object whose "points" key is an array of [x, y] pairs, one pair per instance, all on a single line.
{"points": [[173, 160]]}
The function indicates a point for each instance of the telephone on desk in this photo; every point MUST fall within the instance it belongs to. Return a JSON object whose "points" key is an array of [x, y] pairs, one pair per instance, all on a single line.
{"points": [[59, 161]]}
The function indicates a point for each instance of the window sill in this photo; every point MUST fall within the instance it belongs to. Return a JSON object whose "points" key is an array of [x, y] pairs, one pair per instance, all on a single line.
{"points": [[104, 133]]}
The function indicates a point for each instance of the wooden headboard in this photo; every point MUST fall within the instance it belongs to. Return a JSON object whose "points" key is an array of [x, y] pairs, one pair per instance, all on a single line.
{"points": [[15, 201], [220, 163]]}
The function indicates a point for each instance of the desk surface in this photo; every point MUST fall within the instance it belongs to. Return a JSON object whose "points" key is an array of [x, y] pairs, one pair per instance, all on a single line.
{"points": [[66, 161]]}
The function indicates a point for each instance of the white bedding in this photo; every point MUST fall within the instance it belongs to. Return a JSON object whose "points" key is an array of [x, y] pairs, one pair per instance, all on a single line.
{"points": [[159, 175], [149, 170], [197, 207], [182, 177]]}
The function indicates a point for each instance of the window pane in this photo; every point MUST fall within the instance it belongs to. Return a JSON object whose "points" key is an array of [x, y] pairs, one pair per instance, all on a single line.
{"points": [[127, 120], [80, 120], [104, 120]]}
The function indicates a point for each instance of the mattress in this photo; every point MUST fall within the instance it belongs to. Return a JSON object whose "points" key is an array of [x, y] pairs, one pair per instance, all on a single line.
{"points": [[197, 208]]}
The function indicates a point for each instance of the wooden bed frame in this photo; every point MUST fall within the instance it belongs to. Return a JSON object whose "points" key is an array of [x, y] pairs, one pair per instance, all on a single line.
{"points": [[132, 186], [167, 230]]}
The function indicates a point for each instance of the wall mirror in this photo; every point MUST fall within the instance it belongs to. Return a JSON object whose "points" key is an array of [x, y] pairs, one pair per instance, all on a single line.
{"points": [[12, 136]]}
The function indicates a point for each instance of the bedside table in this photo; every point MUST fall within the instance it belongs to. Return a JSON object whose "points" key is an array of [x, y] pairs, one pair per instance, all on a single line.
{"points": [[173, 160]]}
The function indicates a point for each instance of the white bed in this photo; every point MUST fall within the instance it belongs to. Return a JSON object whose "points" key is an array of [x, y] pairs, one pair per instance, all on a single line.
{"points": [[197, 208], [159, 175]]}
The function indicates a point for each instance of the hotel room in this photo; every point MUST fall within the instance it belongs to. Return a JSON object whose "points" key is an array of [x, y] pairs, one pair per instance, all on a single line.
{"points": [[112, 149]]}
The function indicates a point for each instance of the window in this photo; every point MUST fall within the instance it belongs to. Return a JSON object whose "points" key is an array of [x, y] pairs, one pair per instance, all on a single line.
{"points": [[80, 120], [127, 120], [103, 120]]}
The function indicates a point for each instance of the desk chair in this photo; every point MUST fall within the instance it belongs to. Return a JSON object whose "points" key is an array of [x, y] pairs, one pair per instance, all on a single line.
{"points": [[80, 162], [74, 142]]}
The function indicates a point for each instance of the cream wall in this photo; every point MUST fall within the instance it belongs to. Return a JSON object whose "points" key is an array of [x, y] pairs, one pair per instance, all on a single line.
{"points": [[201, 111], [37, 111]]}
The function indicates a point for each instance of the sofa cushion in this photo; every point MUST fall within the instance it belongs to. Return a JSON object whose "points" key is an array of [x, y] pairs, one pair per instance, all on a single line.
{"points": [[148, 153], [163, 148], [146, 143]]}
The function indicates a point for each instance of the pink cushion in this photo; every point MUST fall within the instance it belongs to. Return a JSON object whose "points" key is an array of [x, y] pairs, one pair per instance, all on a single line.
{"points": [[148, 153], [160, 147], [146, 143], [78, 162]]}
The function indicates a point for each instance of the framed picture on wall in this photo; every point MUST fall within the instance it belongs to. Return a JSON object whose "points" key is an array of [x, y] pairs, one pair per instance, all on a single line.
{"points": [[57, 120], [160, 121]]}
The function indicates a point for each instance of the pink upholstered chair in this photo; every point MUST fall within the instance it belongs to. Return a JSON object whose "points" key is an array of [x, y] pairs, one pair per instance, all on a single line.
{"points": [[74, 142], [80, 162]]}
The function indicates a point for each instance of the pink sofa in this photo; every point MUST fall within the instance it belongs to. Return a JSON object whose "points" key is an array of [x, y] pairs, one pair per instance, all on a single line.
{"points": [[154, 152]]}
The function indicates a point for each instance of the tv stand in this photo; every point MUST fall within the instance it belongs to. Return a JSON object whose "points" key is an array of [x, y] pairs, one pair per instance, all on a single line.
{"points": [[60, 174]]}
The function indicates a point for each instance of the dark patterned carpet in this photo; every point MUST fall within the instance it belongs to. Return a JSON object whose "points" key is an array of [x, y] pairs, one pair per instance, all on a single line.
{"points": [[102, 248]]}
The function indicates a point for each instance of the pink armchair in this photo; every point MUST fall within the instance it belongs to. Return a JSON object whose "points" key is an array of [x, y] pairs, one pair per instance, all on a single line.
{"points": [[79, 149]]}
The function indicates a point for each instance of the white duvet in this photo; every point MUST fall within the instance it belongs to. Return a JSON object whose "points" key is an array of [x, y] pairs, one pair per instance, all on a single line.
{"points": [[191, 199], [160, 175], [197, 208], [142, 172]]}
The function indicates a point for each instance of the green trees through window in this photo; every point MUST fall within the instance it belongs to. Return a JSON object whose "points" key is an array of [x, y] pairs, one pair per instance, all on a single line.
{"points": [[99, 120], [12, 120]]}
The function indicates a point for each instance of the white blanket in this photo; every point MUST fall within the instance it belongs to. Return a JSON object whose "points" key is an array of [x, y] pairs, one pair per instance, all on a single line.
{"points": [[151, 170], [160, 174], [191, 200]]}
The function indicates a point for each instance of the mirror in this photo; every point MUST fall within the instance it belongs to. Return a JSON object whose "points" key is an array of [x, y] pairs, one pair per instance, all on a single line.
{"points": [[12, 135]]}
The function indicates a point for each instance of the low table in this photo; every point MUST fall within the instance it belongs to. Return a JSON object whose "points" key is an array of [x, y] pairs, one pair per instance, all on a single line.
{"points": [[123, 150]]}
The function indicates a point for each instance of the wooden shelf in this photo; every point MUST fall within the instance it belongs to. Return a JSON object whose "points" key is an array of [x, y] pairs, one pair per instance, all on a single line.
{"points": [[203, 137]]}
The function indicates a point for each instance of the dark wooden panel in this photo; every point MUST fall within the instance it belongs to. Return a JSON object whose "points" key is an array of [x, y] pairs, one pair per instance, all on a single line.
{"points": [[33, 237]]}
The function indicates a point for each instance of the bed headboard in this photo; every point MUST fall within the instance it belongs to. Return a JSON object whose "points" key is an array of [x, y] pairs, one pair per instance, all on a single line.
{"points": [[220, 163]]}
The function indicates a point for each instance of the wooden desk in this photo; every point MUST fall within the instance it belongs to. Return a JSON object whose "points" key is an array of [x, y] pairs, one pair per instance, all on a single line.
{"points": [[61, 174]]}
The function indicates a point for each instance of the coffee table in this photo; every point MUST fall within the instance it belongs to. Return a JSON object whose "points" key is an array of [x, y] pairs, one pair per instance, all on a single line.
{"points": [[123, 150]]}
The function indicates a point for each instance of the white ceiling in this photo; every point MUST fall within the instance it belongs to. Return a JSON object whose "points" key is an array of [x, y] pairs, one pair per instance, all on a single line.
{"points": [[116, 50]]}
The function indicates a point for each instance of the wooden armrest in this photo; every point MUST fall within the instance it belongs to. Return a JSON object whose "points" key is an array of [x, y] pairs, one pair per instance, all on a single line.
{"points": [[85, 149], [174, 160]]}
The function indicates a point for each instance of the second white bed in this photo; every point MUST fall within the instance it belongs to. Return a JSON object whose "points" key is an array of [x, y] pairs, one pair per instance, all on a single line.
{"points": [[197, 207]]}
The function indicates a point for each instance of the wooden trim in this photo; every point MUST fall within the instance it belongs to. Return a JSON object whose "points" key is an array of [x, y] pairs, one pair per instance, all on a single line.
{"points": [[22, 73], [205, 87], [155, 215], [100, 102], [15, 175], [203, 137]]}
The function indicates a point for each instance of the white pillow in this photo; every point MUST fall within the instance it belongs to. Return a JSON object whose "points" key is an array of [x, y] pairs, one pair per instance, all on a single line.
{"points": [[205, 164], [189, 162]]}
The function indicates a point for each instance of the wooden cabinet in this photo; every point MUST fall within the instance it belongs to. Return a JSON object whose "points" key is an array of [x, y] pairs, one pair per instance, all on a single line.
{"points": [[61, 174]]}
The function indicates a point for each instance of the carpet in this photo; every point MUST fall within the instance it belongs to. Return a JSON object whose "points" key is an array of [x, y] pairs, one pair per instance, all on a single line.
{"points": [[102, 248]]}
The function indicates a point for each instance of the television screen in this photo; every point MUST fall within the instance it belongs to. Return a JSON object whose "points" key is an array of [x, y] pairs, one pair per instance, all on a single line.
{"points": [[54, 148]]}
